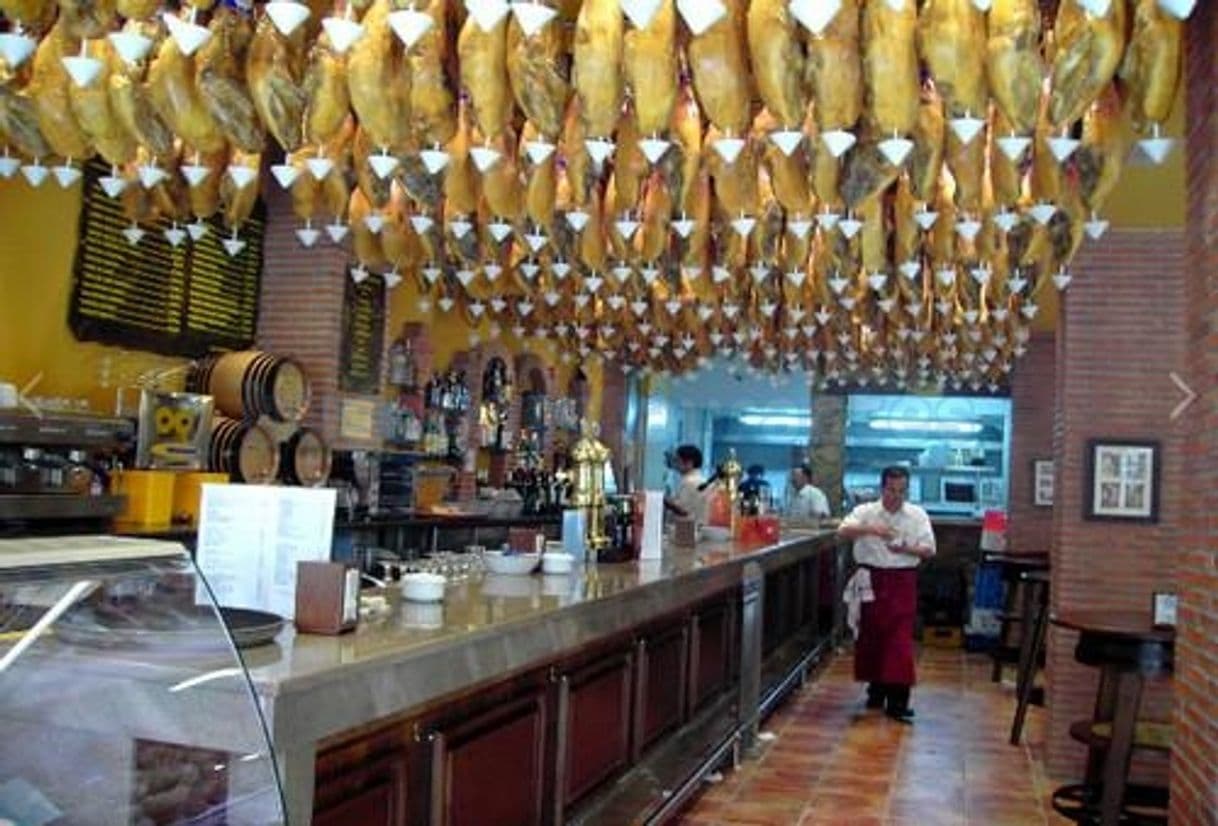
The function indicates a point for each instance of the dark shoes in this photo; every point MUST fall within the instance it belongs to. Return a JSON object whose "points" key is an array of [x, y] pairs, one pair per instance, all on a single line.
{"points": [[893, 699], [903, 714]]}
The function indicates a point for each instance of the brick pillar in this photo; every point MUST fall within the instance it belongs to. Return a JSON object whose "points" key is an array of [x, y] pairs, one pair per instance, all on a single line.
{"points": [[300, 314], [1194, 764], [1119, 336], [1033, 403], [828, 442]]}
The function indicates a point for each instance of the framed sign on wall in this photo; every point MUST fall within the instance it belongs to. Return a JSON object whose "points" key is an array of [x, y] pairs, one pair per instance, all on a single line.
{"points": [[1122, 480], [1042, 483]]}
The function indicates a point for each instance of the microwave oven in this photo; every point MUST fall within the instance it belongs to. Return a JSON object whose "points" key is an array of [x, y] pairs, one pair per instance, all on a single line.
{"points": [[958, 491]]}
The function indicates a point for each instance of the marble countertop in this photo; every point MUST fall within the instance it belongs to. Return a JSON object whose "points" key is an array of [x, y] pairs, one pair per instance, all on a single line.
{"points": [[488, 627]]}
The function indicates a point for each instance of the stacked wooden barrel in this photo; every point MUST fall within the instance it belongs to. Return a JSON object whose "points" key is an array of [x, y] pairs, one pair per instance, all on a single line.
{"points": [[257, 395]]}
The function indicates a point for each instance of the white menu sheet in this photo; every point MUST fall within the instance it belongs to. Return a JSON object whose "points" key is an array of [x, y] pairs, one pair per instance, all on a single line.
{"points": [[252, 536]]}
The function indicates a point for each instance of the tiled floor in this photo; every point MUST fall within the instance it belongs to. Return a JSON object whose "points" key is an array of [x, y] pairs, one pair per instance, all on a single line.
{"points": [[831, 762]]}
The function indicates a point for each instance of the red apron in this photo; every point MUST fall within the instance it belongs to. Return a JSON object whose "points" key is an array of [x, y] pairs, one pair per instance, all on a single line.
{"points": [[884, 650]]}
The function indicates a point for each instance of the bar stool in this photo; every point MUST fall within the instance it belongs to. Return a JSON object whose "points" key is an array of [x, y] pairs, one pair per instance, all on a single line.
{"points": [[1032, 645], [1012, 566], [1127, 650]]}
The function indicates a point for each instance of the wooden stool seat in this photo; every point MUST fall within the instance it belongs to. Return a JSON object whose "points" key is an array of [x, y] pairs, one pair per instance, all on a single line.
{"points": [[1140, 806], [1151, 735]]}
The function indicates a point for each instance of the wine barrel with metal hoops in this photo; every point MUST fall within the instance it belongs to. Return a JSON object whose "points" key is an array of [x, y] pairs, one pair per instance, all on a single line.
{"points": [[243, 450], [304, 459], [249, 384]]}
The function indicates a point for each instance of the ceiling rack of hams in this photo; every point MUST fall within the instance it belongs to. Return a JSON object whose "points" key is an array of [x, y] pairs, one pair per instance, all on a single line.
{"points": [[872, 191]]}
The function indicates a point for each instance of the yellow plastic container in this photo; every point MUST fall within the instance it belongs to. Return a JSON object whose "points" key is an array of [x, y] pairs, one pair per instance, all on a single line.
{"points": [[188, 494], [149, 495]]}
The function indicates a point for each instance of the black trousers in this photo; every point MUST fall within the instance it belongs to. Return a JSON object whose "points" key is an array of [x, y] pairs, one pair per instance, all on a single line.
{"points": [[892, 695]]}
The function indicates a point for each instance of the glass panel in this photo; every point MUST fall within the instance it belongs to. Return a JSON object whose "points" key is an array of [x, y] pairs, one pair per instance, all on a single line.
{"points": [[123, 699], [957, 449]]}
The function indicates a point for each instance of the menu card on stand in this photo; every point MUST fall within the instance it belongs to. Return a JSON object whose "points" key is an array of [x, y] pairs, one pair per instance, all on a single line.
{"points": [[252, 536]]}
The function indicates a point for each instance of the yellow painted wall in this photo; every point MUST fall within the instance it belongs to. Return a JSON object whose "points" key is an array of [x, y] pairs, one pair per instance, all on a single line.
{"points": [[38, 230], [37, 247]]}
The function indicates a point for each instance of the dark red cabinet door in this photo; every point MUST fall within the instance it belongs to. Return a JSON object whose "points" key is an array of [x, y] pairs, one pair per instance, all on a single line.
{"points": [[598, 717], [371, 793], [711, 657], [662, 677], [489, 769]]}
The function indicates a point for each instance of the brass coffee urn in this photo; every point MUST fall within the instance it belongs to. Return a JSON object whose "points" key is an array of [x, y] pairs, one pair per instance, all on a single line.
{"points": [[588, 458]]}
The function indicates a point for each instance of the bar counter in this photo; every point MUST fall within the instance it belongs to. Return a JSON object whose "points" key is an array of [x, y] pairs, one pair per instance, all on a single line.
{"points": [[407, 683]]}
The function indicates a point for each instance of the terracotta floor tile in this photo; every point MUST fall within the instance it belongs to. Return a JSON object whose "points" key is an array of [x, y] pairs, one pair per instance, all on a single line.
{"points": [[832, 762]]}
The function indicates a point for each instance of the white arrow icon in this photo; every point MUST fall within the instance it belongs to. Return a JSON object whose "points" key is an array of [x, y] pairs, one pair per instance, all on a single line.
{"points": [[1189, 395]]}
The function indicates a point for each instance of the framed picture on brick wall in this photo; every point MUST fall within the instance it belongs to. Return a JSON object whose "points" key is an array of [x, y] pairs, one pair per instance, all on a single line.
{"points": [[1042, 483], [1122, 480]]}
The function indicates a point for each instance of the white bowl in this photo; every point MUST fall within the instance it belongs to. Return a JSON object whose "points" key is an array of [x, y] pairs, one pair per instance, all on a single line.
{"points": [[557, 563], [497, 562], [421, 587]]}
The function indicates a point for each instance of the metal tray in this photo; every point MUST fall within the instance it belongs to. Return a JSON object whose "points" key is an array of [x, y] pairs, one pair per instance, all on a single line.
{"points": [[190, 627]]}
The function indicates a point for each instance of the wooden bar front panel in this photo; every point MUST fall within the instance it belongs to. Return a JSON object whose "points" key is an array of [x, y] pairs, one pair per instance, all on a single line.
{"points": [[363, 783], [711, 658], [662, 698], [490, 768], [597, 725]]}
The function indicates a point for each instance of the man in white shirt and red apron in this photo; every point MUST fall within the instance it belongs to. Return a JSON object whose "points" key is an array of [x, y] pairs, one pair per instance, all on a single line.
{"points": [[891, 537]]}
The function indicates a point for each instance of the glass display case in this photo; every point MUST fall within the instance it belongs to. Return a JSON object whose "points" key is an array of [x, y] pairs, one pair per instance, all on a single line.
{"points": [[957, 449], [123, 696]]}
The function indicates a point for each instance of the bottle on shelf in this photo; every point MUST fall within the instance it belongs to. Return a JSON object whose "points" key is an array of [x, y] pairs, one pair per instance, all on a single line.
{"points": [[401, 362]]}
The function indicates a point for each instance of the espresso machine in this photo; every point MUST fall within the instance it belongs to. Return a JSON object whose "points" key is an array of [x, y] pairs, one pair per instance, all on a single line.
{"points": [[54, 470]]}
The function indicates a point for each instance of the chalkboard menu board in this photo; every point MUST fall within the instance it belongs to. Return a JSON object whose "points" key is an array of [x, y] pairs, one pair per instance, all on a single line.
{"points": [[180, 301], [363, 336]]}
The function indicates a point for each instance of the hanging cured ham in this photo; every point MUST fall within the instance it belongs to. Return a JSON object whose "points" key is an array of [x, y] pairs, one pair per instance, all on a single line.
{"points": [[275, 67], [48, 91], [327, 100], [802, 184], [597, 65], [482, 56], [1013, 63], [1151, 68], [718, 61], [952, 44], [93, 112], [433, 108], [220, 74], [1089, 49], [378, 80], [650, 61], [776, 55], [890, 65], [538, 68], [833, 71]]}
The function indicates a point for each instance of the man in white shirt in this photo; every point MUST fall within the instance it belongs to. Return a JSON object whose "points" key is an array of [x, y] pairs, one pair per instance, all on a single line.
{"points": [[809, 501], [689, 499], [891, 537]]}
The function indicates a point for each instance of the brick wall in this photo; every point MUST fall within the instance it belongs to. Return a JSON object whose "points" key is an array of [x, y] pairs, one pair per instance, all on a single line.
{"points": [[1033, 403], [1194, 765], [1119, 335], [301, 312]]}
